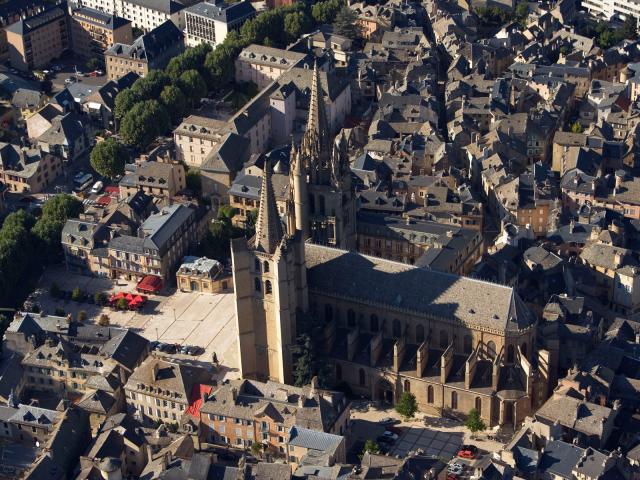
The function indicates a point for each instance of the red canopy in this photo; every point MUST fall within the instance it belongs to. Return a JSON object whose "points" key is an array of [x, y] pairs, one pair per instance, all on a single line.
{"points": [[150, 283], [116, 297], [129, 297], [104, 200]]}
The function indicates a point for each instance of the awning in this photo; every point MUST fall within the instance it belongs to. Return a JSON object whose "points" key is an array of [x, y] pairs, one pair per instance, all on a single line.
{"points": [[150, 283]]}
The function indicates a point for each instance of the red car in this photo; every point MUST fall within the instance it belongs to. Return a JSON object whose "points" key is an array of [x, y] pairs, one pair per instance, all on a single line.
{"points": [[468, 451]]}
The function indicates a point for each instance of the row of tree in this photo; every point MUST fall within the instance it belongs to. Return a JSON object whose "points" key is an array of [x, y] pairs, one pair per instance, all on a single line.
{"points": [[27, 244]]}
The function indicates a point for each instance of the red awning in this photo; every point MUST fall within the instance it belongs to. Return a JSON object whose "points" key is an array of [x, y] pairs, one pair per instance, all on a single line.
{"points": [[129, 297], [117, 296], [150, 283], [104, 200], [195, 402], [112, 190]]}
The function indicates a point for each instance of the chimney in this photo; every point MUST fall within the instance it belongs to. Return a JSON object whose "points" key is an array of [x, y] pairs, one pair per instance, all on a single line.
{"points": [[301, 400], [234, 393]]}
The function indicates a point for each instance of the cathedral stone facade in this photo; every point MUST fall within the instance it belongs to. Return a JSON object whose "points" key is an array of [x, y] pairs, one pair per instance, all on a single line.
{"points": [[456, 343]]}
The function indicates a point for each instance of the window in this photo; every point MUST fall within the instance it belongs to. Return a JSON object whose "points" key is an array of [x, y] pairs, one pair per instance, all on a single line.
{"points": [[491, 349], [479, 405], [397, 328], [523, 349], [444, 339], [419, 334], [468, 343], [454, 400], [374, 327], [256, 284], [430, 394], [362, 376], [351, 318], [267, 287], [407, 386], [265, 266]]}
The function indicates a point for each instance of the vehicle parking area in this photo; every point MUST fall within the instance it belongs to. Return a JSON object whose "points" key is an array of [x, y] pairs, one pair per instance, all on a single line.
{"points": [[192, 318], [432, 442]]}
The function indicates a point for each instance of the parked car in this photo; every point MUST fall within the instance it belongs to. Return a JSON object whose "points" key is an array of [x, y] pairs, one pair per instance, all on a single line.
{"points": [[382, 439], [70, 80], [97, 187], [468, 451], [170, 348], [455, 468], [159, 346], [388, 421], [56, 68], [195, 350], [391, 435]]}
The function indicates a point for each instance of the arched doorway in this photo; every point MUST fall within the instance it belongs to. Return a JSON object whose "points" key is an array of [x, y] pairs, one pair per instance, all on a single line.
{"points": [[419, 334], [430, 395], [523, 350], [397, 328], [508, 416], [194, 286], [374, 323], [351, 318], [444, 339], [478, 405], [385, 391], [467, 343], [454, 400]]}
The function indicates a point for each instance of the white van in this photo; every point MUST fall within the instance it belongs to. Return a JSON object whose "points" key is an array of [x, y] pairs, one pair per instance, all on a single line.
{"points": [[97, 187]]}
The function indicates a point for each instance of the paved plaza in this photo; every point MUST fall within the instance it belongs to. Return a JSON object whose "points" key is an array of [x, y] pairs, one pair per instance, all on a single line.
{"points": [[205, 320]]}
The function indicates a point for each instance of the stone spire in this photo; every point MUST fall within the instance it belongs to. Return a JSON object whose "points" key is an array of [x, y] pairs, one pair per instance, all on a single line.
{"points": [[316, 142], [299, 192], [268, 226]]}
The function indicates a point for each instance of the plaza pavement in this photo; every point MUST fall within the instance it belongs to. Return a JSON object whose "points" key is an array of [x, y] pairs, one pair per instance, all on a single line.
{"points": [[205, 320]]}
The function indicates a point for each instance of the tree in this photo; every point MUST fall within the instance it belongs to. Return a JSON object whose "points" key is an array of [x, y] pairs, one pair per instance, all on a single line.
{"points": [[82, 316], [308, 363], [143, 123], [194, 180], [174, 101], [407, 406], [522, 13], [150, 86], [93, 64], [256, 449], [77, 295], [125, 100], [371, 447], [121, 304], [346, 24], [104, 321], [193, 86], [295, 24], [474, 423], [100, 298], [47, 230], [108, 158], [576, 127], [325, 12]]}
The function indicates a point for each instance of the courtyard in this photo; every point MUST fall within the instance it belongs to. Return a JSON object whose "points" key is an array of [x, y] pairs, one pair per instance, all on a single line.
{"points": [[191, 318]]}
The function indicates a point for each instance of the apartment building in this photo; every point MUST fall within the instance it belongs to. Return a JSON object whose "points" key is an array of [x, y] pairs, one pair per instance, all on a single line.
{"points": [[13, 11], [196, 137], [35, 41], [163, 390], [143, 14], [150, 51], [210, 23], [27, 170], [82, 242], [93, 31], [262, 65], [244, 412], [158, 179], [163, 240], [608, 9], [202, 274]]}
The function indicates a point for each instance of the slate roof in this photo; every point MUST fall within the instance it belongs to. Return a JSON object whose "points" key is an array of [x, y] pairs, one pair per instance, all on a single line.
{"points": [[151, 46], [163, 6], [559, 458], [126, 348], [375, 280], [28, 25], [584, 417], [223, 12], [100, 19], [313, 439]]}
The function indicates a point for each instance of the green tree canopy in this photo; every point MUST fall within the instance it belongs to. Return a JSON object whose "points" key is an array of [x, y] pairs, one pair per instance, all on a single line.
{"points": [[125, 100], [150, 86], [143, 123], [346, 24], [108, 158], [576, 127], [371, 447], [474, 423], [325, 12], [48, 229], [174, 101], [407, 405], [193, 86], [295, 24]]}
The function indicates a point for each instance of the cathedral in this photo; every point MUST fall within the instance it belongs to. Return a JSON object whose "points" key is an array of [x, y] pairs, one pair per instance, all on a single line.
{"points": [[456, 343]]}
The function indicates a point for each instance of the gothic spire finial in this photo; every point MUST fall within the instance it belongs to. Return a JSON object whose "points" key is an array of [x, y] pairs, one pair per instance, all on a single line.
{"points": [[268, 226], [316, 139]]}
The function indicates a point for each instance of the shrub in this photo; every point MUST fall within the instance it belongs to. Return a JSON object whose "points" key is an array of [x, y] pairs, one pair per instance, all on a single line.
{"points": [[474, 423], [77, 295], [122, 304], [100, 298], [103, 321], [82, 316], [407, 406], [54, 291]]}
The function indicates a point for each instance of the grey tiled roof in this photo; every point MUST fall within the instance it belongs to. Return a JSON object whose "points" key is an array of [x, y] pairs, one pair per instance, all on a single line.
{"points": [[375, 280], [313, 439]]}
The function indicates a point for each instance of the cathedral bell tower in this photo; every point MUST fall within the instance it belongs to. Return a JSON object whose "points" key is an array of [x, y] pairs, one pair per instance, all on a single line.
{"points": [[322, 189], [270, 283]]}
